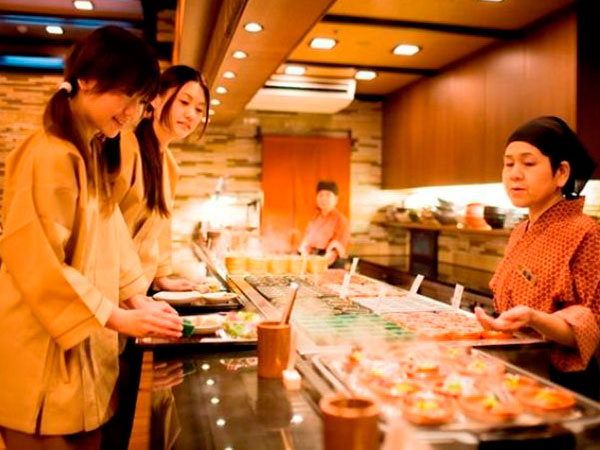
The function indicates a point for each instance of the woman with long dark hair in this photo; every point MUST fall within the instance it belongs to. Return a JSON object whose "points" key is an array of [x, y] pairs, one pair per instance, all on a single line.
{"points": [[146, 185], [69, 277]]}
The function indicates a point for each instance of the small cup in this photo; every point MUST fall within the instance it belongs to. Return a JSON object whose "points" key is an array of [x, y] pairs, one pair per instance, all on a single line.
{"points": [[273, 349], [349, 422]]}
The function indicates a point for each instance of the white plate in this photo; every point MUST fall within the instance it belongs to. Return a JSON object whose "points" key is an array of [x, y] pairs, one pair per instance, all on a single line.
{"points": [[206, 324], [217, 297], [178, 298]]}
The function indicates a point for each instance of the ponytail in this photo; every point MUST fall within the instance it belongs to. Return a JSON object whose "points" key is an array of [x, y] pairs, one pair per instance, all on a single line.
{"points": [[152, 167], [59, 121]]}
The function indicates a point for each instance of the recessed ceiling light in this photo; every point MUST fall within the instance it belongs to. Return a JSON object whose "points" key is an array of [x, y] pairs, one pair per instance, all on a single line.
{"points": [[84, 5], [323, 43], [406, 49], [365, 75], [211, 112], [253, 27], [238, 54], [54, 29], [215, 102], [295, 70], [229, 74], [221, 90]]}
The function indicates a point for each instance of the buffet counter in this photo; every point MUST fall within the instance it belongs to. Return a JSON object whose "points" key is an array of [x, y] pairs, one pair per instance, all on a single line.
{"points": [[207, 395]]}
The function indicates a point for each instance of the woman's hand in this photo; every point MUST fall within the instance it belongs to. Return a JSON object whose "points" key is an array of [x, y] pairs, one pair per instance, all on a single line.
{"points": [[518, 317], [145, 322], [551, 326], [143, 302], [174, 284]]}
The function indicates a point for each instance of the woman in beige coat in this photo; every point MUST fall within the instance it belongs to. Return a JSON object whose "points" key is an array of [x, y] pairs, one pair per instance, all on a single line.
{"points": [[145, 189], [69, 277]]}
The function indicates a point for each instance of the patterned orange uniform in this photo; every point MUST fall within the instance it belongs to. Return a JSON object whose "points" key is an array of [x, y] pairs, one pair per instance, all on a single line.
{"points": [[328, 232], [554, 266]]}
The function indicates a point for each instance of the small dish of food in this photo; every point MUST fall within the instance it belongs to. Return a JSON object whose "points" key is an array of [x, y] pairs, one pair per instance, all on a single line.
{"points": [[484, 368], [546, 399], [427, 408], [205, 324], [489, 407], [515, 382]]}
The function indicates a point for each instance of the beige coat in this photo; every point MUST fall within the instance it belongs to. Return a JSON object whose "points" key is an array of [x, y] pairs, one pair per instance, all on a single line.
{"points": [[65, 265], [151, 233]]}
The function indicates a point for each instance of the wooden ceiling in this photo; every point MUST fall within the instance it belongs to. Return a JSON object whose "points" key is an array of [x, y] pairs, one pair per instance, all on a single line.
{"points": [[366, 31], [207, 32], [503, 15]]}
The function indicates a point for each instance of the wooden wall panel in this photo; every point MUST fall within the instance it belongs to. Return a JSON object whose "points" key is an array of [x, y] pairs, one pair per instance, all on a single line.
{"points": [[451, 129]]}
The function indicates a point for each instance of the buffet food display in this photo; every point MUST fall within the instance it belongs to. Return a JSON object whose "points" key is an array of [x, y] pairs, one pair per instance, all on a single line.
{"points": [[370, 312], [411, 353], [455, 389]]}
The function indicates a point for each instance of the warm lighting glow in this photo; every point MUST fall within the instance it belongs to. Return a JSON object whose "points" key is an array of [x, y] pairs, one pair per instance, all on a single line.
{"points": [[215, 400], [406, 49], [365, 75], [238, 54], [205, 366], [54, 29], [221, 422], [83, 5], [215, 102], [491, 1], [210, 382], [253, 27], [297, 418], [323, 43], [229, 75], [221, 90], [211, 112], [295, 70]]}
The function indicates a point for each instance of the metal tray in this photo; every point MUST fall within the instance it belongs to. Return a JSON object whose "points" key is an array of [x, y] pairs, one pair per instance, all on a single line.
{"points": [[194, 308], [218, 339], [583, 417]]}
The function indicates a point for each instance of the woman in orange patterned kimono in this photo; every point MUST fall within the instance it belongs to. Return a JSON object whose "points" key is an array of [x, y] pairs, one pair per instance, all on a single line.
{"points": [[549, 279]]}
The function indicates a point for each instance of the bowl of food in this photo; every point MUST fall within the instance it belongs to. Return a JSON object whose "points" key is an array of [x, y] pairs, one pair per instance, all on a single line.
{"points": [[205, 324], [544, 400], [427, 408], [489, 407]]}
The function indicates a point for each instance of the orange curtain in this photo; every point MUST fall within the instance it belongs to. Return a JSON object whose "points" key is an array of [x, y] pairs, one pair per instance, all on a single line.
{"points": [[291, 168]]}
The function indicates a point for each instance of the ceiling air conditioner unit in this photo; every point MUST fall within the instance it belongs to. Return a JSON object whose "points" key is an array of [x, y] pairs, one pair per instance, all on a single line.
{"points": [[302, 94]]}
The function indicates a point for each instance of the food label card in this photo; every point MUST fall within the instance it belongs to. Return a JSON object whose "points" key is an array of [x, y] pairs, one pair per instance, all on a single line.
{"points": [[416, 284], [457, 297]]}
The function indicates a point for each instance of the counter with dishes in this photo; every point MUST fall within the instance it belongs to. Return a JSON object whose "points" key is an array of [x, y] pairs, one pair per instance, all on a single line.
{"points": [[421, 360]]}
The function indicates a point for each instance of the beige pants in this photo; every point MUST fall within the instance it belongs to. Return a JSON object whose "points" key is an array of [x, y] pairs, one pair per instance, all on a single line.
{"points": [[16, 440]]}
